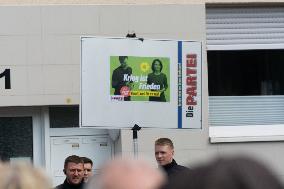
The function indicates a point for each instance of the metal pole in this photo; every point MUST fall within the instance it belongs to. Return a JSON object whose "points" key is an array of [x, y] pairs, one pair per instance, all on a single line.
{"points": [[135, 128]]}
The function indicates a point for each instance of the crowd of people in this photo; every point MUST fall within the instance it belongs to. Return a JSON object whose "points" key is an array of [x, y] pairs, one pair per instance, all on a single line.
{"points": [[128, 173]]}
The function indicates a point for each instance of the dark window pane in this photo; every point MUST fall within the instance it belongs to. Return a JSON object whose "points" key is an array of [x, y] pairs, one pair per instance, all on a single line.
{"points": [[245, 72], [64, 116], [16, 137]]}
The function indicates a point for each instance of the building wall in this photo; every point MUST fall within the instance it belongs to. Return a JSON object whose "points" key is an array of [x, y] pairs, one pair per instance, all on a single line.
{"points": [[41, 46], [125, 2]]}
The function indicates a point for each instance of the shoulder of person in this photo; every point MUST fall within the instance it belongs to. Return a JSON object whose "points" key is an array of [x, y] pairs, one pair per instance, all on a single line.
{"points": [[116, 69], [186, 167], [60, 186], [181, 167]]}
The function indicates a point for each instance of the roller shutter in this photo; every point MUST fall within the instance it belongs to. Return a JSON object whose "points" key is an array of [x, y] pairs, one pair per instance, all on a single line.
{"points": [[244, 27]]}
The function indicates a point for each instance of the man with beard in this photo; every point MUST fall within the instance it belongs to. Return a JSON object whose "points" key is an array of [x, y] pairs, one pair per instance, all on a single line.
{"points": [[74, 171]]}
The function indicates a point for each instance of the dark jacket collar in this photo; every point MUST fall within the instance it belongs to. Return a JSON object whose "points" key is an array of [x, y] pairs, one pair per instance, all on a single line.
{"points": [[73, 186], [170, 165]]}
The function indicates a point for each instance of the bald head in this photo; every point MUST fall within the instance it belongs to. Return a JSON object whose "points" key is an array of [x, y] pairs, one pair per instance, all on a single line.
{"points": [[128, 174]]}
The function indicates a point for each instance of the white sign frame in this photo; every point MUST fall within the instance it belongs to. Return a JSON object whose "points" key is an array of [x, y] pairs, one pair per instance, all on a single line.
{"points": [[184, 109]]}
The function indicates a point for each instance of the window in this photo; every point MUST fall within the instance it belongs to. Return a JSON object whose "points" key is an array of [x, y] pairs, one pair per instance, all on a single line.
{"points": [[64, 116], [245, 87], [245, 61], [16, 138], [246, 72]]}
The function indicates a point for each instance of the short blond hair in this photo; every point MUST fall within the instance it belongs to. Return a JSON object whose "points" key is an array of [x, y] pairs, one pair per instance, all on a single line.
{"points": [[164, 142], [22, 176]]}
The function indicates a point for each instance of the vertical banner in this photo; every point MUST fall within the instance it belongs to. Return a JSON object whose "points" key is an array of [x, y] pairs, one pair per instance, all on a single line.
{"points": [[191, 72], [152, 83]]}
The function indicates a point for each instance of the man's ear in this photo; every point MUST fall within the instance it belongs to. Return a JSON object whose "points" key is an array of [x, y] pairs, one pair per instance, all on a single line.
{"points": [[64, 171]]}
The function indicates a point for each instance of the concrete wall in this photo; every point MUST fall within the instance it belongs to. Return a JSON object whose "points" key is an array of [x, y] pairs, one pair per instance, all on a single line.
{"points": [[41, 44], [192, 148]]}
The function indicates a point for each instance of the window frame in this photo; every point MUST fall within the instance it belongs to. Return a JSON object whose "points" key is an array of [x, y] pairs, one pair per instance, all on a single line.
{"points": [[245, 133]]}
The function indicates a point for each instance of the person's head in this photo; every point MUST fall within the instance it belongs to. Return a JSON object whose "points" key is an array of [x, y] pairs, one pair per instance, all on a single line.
{"points": [[123, 60], [164, 151], [157, 65], [88, 168], [227, 173], [128, 174], [23, 176], [74, 169]]}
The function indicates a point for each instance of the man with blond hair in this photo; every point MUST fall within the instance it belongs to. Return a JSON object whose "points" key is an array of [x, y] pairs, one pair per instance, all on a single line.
{"points": [[164, 153]]}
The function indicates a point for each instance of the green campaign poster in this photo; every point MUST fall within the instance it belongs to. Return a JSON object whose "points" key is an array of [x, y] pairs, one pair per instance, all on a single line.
{"points": [[134, 78]]}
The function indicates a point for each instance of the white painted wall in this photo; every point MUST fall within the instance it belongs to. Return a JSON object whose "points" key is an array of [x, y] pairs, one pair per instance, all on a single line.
{"points": [[41, 44], [126, 2]]}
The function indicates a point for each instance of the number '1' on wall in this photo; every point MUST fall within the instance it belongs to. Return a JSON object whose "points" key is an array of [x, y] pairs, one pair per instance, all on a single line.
{"points": [[6, 75]]}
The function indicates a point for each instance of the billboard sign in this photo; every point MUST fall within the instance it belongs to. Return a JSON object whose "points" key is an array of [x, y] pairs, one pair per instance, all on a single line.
{"points": [[152, 83]]}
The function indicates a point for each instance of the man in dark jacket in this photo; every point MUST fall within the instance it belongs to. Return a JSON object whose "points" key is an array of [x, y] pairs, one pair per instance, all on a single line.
{"points": [[164, 153], [120, 78], [74, 171], [88, 168]]}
